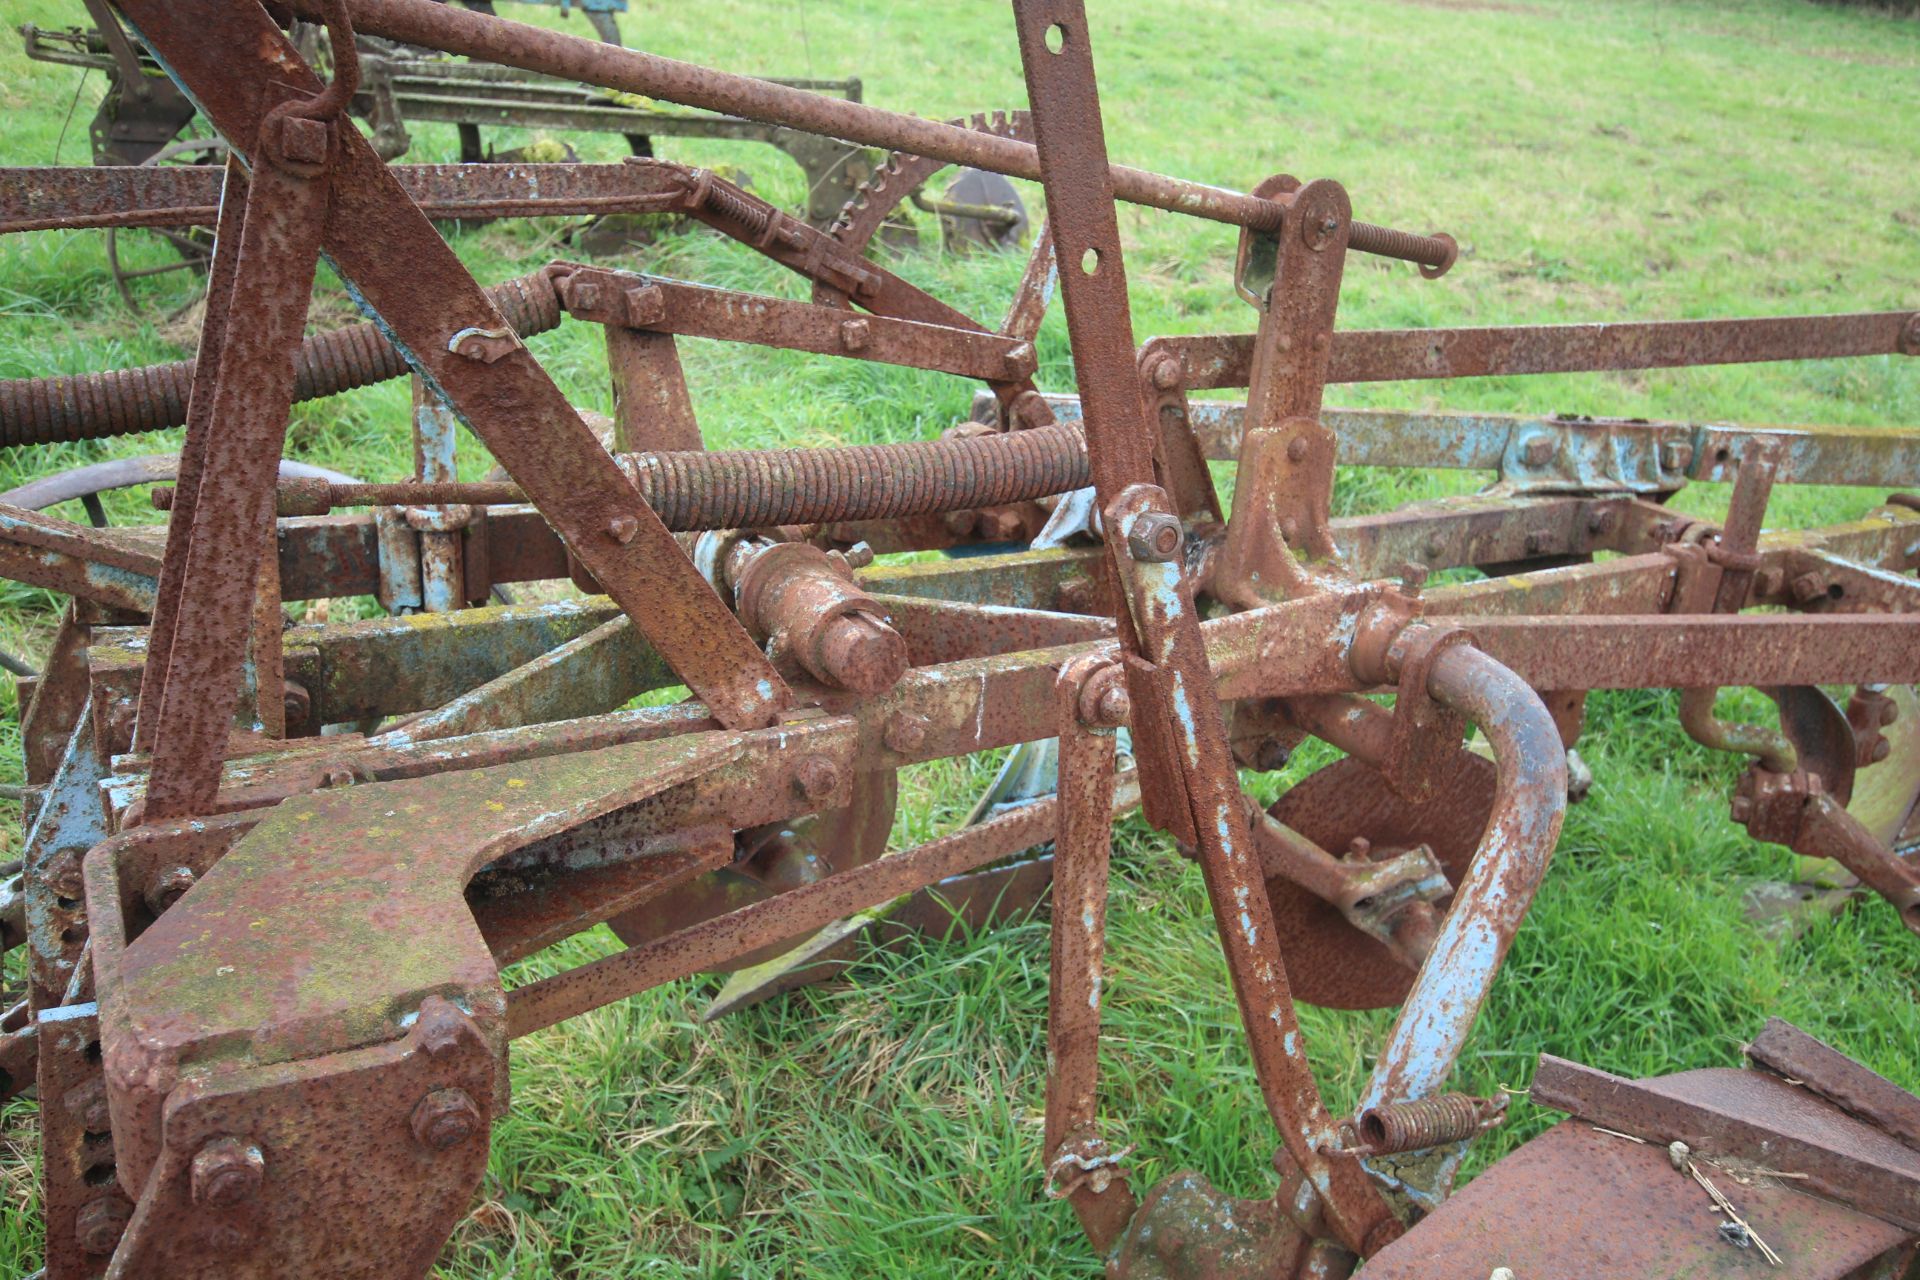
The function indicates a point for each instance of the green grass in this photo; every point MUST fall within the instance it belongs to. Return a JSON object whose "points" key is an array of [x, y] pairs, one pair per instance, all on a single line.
{"points": [[1599, 161]]}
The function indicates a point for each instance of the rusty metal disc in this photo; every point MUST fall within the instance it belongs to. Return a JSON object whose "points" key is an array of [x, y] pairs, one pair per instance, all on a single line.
{"points": [[1329, 962]]}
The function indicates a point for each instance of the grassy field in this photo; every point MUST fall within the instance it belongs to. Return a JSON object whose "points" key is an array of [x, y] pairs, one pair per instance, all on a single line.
{"points": [[1598, 160]]}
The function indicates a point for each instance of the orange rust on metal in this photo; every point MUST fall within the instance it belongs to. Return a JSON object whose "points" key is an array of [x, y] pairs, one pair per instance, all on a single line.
{"points": [[493, 796]]}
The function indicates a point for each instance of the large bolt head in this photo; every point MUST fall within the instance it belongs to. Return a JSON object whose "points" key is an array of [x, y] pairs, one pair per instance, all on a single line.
{"points": [[1155, 538], [444, 1119], [1167, 373], [227, 1172], [87, 1103], [817, 777], [1539, 451]]}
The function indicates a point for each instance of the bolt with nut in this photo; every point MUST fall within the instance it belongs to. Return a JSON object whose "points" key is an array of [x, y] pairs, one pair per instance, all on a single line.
{"points": [[227, 1172], [1155, 538], [444, 1119]]}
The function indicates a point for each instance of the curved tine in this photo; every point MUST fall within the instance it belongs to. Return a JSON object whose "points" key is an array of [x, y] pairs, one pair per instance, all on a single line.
{"points": [[124, 473], [1529, 804]]}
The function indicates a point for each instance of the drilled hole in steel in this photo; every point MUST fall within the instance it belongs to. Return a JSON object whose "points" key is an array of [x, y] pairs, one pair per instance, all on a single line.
{"points": [[101, 1175], [93, 1051], [1835, 591], [66, 904], [1090, 261], [73, 935], [1056, 37], [1722, 454]]}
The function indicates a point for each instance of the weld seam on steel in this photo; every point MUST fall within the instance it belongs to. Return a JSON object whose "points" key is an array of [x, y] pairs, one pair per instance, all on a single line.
{"points": [[96, 406], [751, 488]]}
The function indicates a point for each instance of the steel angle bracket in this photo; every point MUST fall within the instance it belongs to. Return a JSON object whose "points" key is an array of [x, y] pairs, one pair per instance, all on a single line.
{"points": [[367, 1022]]}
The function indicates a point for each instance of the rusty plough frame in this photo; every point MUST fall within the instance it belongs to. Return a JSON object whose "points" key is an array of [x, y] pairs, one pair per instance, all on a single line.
{"points": [[266, 1018]]}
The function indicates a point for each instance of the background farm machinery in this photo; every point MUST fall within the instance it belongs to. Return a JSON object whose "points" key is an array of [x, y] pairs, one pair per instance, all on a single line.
{"points": [[145, 119], [266, 1018]]}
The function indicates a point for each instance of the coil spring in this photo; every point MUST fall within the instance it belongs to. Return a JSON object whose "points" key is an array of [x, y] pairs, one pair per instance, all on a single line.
{"points": [[731, 205], [1427, 1122], [754, 489], [95, 406]]}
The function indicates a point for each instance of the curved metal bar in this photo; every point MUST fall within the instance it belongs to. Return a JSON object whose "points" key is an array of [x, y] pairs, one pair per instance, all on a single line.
{"points": [[1528, 807], [1770, 745], [124, 473]]}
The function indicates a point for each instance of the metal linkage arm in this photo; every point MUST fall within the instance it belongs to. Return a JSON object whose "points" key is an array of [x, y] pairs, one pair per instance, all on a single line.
{"points": [[465, 350], [1187, 774]]}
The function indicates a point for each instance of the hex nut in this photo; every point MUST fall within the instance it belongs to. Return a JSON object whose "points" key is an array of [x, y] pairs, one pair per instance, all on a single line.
{"points": [[86, 1102], [1103, 701], [854, 334], [444, 1119], [1675, 456], [98, 1226], [1538, 451], [227, 1172], [1155, 538]]}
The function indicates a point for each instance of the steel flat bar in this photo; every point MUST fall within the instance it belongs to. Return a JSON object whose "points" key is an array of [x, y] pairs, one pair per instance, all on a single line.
{"points": [[700, 947], [1398, 355], [1867, 1171], [205, 366], [1816, 454], [228, 525], [1699, 651], [1189, 784], [731, 315], [42, 199], [1083, 847], [531, 48], [1792, 1054]]}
